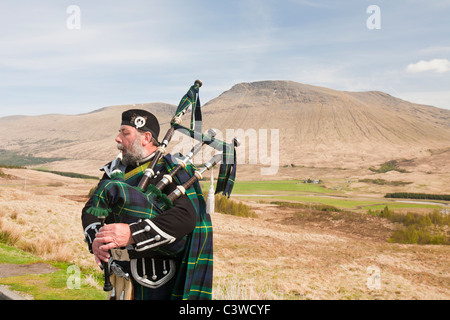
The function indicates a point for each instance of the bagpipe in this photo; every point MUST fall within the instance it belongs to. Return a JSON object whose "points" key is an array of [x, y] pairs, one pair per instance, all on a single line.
{"points": [[129, 203]]}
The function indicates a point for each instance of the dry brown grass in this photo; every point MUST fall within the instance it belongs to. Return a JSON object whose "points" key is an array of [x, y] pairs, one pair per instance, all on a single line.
{"points": [[42, 220], [9, 232], [274, 258], [278, 255]]}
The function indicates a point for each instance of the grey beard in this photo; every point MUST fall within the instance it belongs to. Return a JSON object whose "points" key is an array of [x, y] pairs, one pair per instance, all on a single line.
{"points": [[134, 154]]}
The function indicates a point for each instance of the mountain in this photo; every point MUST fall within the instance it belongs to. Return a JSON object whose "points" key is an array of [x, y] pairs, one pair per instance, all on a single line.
{"points": [[84, 141], [324, 127], [316, 126]]}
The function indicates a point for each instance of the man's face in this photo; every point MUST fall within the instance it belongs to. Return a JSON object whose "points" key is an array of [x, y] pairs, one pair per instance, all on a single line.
{"points": [[129, 142], [126, 137]]}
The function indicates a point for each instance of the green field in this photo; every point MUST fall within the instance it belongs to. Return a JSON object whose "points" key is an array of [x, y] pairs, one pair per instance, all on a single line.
{"points": [[12, 158], [278, 187], [297, 191]]}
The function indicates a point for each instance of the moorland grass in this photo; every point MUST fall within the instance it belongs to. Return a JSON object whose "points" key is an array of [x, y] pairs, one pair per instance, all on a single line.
{"points": [[430, 228]]}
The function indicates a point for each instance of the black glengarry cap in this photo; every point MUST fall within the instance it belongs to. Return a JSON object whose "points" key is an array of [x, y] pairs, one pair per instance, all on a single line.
{"points": [[142, 120]]}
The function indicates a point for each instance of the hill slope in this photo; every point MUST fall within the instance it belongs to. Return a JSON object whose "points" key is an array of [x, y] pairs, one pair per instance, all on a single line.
{"points": [[317, 127], [85, 141], [320, 126]]}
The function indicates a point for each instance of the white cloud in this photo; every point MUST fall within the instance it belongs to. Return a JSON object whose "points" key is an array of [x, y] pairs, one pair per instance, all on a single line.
{"points": [[434, 65]]}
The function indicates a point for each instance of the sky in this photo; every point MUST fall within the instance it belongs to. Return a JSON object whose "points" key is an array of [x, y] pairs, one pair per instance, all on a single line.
{"points": [[72, 57]]}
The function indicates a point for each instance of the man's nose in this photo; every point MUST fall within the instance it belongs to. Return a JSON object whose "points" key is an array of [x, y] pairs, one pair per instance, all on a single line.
{"points": [[118, 139]]}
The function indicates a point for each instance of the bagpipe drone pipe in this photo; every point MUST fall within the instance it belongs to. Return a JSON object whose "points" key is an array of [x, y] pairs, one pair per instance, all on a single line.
{"points": [[128, 204]]}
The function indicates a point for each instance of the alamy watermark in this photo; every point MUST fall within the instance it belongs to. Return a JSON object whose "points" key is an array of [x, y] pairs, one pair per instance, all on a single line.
{"points": [[73, 277], [258, 147], [374, 279], [373, 22], [73, 21]]}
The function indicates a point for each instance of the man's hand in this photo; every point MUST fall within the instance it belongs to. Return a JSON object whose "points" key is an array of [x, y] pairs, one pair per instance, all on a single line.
{"points": [[110, 236]]}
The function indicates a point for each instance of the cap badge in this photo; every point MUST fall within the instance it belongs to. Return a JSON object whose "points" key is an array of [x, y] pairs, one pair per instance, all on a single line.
{"points": [[139, 122]]}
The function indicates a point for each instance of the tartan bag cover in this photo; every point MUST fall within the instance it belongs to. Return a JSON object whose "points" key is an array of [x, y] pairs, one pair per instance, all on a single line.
{"points": [[119, 197]]}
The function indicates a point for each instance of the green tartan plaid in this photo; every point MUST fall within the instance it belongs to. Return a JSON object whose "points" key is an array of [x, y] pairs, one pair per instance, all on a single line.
{"points": [[194, 280], [119, 197], [227, 171], [192, 98]]}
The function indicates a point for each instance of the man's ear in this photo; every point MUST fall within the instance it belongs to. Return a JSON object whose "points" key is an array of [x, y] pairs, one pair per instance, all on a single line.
{"points": [[147, 138]]}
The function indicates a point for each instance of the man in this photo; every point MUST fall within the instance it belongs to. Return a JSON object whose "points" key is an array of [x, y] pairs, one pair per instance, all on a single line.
{"points": [[163, 246]]}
